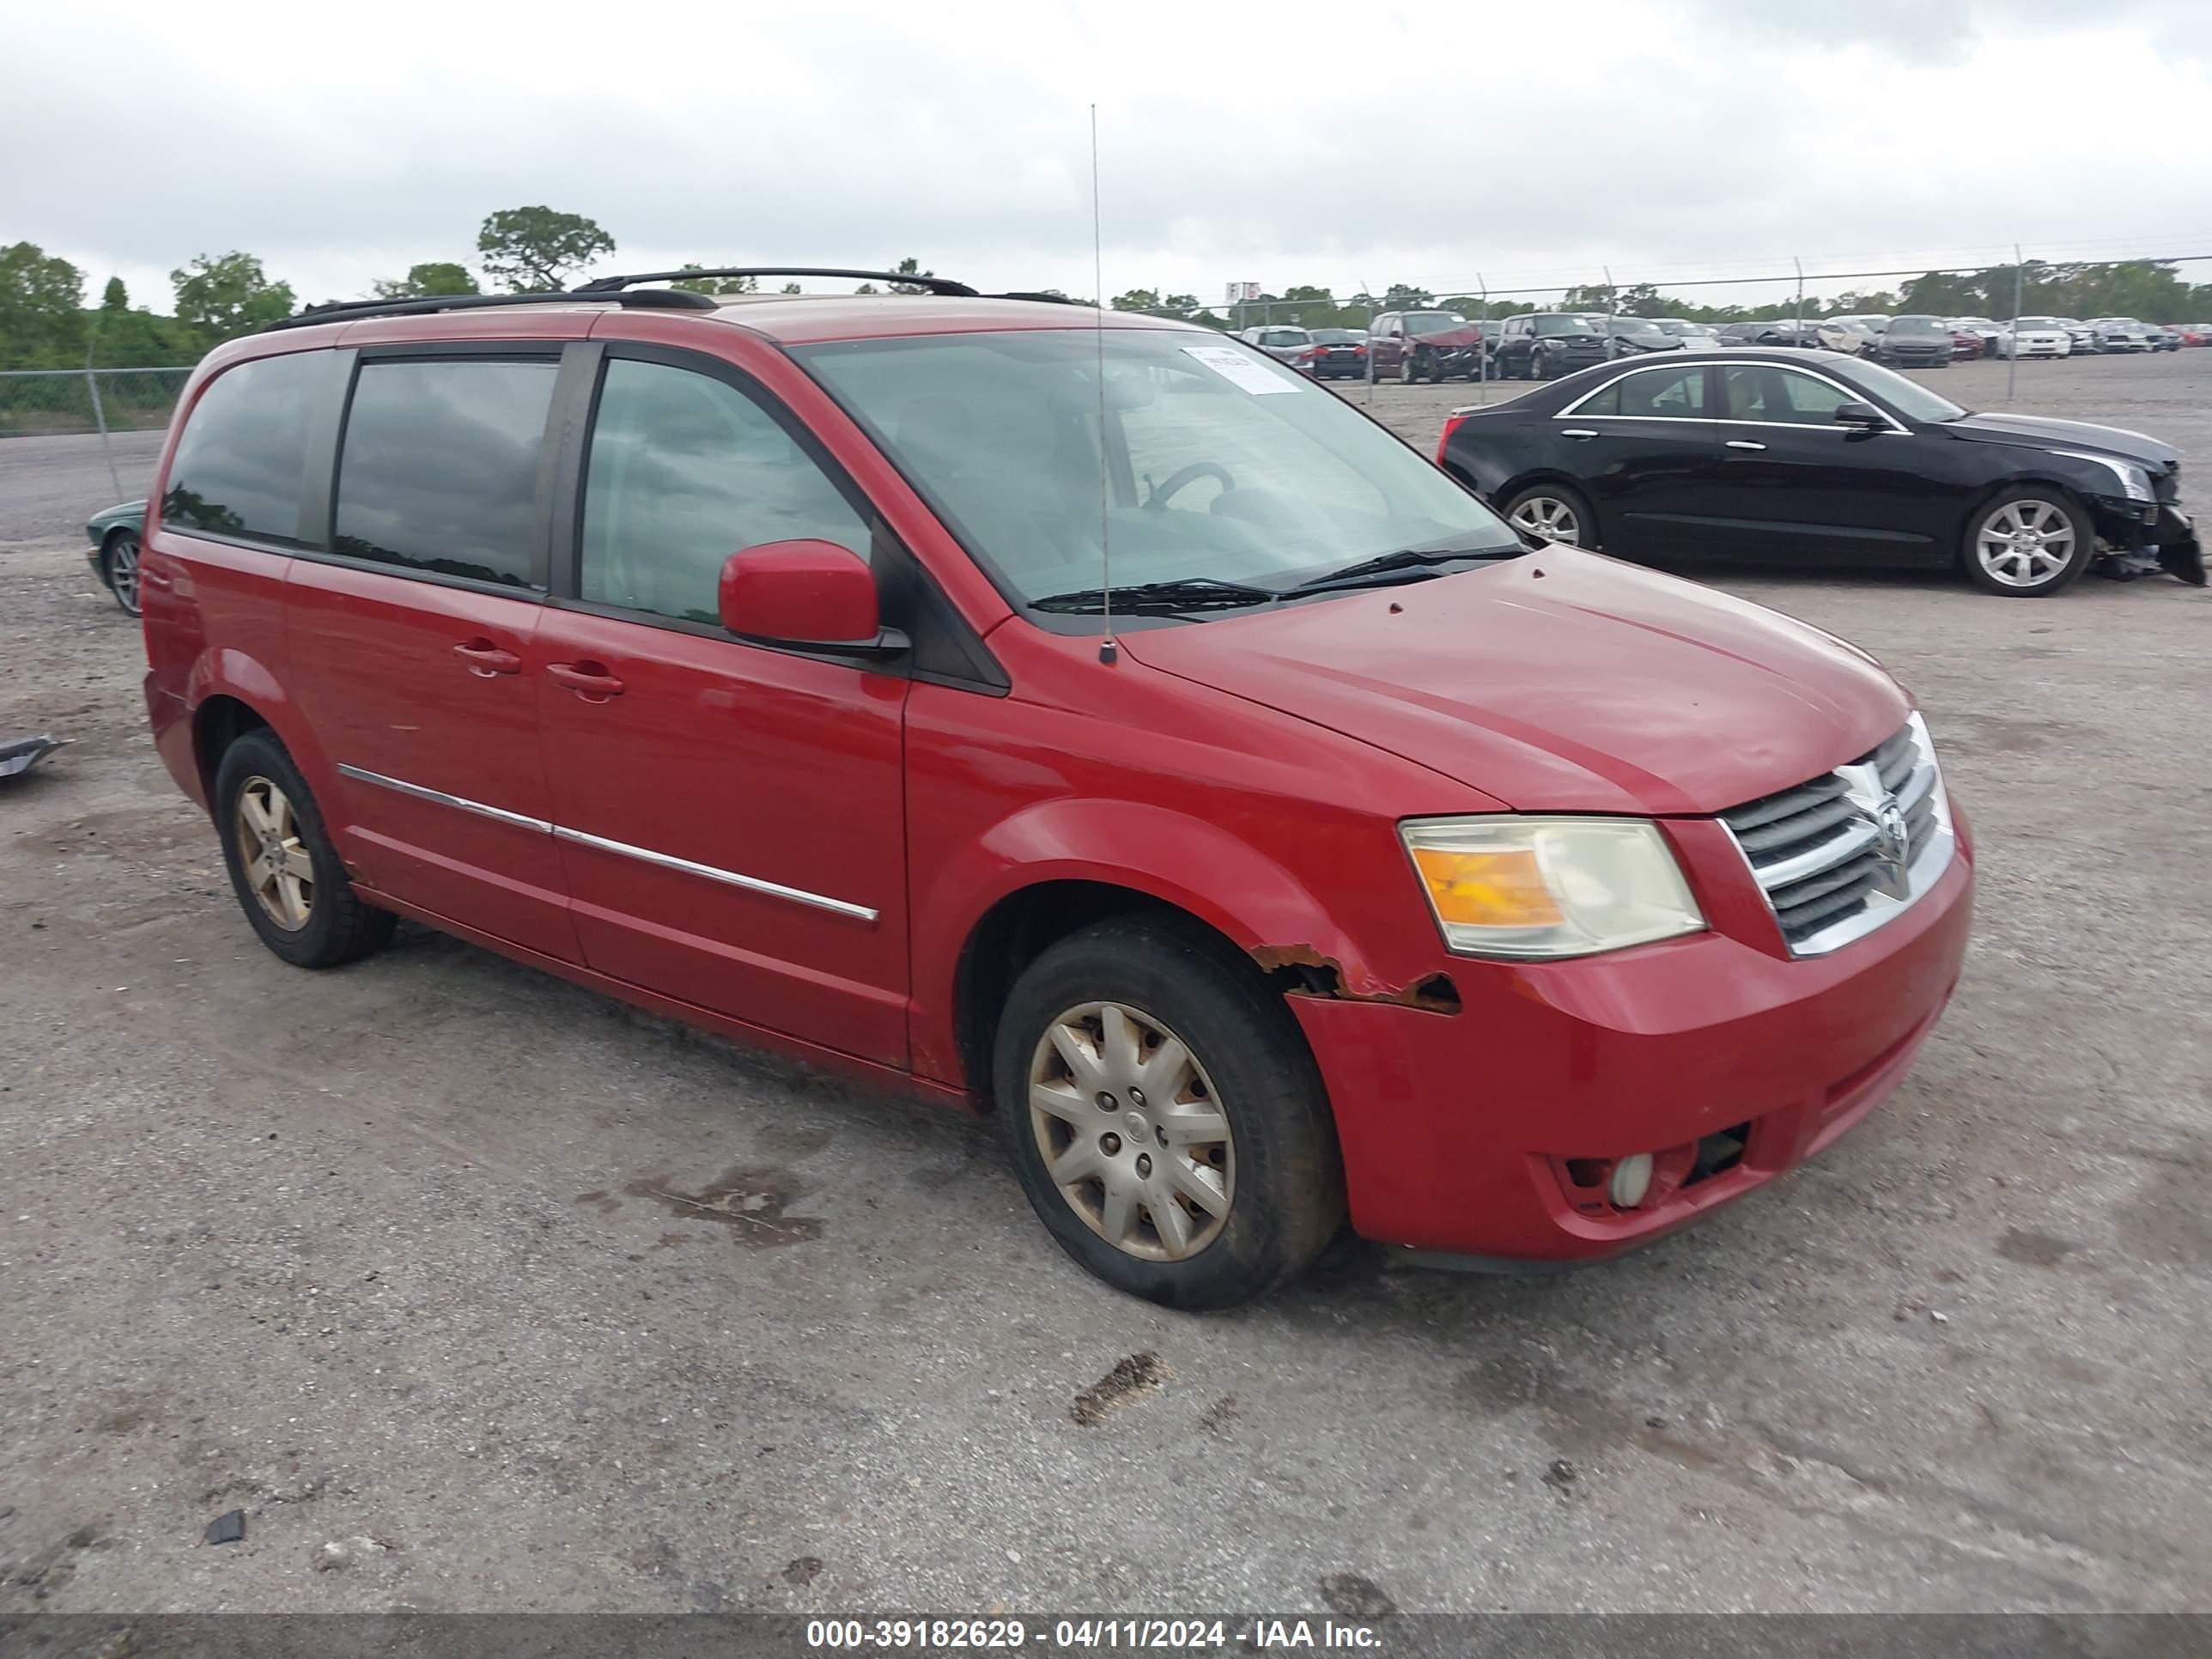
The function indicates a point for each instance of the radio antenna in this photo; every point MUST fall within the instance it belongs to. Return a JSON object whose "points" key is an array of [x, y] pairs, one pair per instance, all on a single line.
{"points": [[1108, 651]]}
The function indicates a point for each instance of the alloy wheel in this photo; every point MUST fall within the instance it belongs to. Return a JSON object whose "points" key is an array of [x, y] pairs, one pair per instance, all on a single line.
{"points": [[2024, 544], [123, 571], [1548, 518], [278, 871], [1131, 1131]]}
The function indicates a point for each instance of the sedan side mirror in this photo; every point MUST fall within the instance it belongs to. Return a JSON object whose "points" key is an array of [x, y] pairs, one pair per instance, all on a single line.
{"points": [[805, 595], [1861, 414]]}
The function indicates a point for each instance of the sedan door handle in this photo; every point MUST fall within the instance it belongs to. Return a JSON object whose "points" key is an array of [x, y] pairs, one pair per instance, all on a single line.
{"points": [[588, 680], [1576, 432], [1744, 443], [485, 659]]}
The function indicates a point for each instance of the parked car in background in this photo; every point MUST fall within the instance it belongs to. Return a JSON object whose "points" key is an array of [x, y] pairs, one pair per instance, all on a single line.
{"points": [[1424, 345], [1542, 345], [1983, 329], [2082, 338], [1336, 354], [1914, 342], [1782, 331], [114, 534], [1822, 459], [1694, 336], [2035, 336], [2119, 334], [2164, 338], [1868, 324], [1852, 335], [1964, 343], [1435, 917], [1634, 337], [1279, 341]]}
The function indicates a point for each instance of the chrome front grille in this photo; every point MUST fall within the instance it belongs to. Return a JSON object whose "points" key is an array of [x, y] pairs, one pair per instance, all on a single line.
{"points": [[1843, 852]]}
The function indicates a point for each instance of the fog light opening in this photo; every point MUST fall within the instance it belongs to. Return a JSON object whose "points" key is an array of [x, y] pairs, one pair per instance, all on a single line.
{"points": [[1631, 1180]]}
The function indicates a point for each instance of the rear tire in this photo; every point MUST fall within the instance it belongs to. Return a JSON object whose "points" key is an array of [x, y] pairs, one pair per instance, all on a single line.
{"points": [[286, 874], [118, 568], [2028, 543], [1247, 1207], [1552, 512]]}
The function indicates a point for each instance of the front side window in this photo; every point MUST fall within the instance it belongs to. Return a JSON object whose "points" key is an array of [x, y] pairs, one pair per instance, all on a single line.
{"points": [[1665, 394], [242, 459], [1203, 463], [684, 470], [439, 472], [1755, 392]]}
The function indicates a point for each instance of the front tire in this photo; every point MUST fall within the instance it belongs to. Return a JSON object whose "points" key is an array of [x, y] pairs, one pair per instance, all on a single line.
{"points": [[288, 875], [118, 568], [1164, 1117], [1412, 370], [2028, 543]]}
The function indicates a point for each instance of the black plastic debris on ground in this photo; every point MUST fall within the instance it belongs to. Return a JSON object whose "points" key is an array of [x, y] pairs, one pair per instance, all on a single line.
{"points": [[225, 1529], [20, 755]]}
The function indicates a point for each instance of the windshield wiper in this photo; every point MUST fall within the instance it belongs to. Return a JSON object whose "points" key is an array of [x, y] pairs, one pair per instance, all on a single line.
{"points": [[1408, 564], [1186, 593]]}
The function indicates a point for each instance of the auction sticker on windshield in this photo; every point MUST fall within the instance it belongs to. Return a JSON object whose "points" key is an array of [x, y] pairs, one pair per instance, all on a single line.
{"points": [[1240, 370]]}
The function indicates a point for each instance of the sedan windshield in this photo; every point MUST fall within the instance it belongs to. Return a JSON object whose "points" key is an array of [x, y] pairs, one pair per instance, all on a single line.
{"points": [[1199, 459], [2046, 323], [1919, 325], [1908, 397]]}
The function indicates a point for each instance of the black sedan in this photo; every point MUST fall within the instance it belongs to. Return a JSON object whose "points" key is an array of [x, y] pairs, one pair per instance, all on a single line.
{"points": [[1915, 343], [1815, 457]]}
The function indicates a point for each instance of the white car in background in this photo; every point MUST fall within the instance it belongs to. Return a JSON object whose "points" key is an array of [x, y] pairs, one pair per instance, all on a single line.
{"points": [[1858, 333], [2035, 336], [1694, 336]]}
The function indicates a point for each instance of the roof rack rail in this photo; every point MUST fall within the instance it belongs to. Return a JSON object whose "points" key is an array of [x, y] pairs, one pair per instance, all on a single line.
{"points": [[943, 285], [1042, 299], [347, 311]]}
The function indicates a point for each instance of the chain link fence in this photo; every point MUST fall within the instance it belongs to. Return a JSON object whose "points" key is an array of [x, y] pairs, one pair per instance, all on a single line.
{"points": [[51, 402]]}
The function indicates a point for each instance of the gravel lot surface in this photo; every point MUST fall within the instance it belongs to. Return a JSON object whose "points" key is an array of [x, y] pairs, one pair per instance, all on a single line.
{"points": [[565, 1309]]}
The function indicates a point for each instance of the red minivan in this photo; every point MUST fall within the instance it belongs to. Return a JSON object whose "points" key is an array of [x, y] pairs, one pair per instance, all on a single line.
{"points": [[1080, 717]]}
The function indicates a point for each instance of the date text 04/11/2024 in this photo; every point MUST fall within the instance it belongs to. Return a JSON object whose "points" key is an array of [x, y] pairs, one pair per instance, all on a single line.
{"points": [[1091, 1634]]}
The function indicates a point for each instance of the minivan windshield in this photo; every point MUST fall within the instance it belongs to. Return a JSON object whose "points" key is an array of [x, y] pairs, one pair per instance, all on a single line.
{"points": [[1220, 465], [1433, 322]]}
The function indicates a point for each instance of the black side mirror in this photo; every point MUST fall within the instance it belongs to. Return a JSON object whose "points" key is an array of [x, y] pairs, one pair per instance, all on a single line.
{"points": [[1864, 416]]}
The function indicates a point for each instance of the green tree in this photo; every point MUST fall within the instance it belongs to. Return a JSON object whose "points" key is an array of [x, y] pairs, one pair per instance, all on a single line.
{"points": [[720, 284], [1399, 297], [910, 267], [41, 308], [431, 278], [115, 296], [223, 297], [533, 250], [793, 287]]}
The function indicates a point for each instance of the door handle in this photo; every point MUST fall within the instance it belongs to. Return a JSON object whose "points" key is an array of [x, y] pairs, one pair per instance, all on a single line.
{"points": [[485, 659], [588, 680], [1744, 443], [1576, 432]]}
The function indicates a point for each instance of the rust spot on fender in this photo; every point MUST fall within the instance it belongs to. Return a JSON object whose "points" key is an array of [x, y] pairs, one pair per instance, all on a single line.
{"points": [[1303, 971]]}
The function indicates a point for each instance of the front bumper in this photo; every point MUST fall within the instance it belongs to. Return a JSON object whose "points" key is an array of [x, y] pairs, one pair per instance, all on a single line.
{"points": [[1466, 1134]]}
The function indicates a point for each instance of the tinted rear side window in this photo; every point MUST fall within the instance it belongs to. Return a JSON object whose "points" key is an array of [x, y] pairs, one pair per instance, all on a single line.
{"points": [[241, 460], [440, 470]]}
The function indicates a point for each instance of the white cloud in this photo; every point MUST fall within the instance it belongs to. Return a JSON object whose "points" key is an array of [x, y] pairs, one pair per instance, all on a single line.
{"points": [[1304, 143]]}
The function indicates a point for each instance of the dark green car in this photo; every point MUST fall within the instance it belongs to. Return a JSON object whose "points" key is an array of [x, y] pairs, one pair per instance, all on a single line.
{"points": [[114, 534]]}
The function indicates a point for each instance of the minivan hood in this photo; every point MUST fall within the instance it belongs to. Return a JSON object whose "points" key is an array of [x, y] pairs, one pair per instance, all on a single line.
{"points": [[2044, 433], [1560, 681]]}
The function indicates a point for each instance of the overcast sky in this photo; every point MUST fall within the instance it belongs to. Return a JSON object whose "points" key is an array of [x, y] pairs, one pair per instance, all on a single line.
{"points": [[1276, 142]]}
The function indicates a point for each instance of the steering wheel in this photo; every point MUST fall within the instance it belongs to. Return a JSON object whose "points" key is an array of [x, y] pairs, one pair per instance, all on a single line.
{"points": [[1197, 470]]}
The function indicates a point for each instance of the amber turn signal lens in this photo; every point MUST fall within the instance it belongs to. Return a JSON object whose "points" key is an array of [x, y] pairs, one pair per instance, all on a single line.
{"points": [[1502, 889]]}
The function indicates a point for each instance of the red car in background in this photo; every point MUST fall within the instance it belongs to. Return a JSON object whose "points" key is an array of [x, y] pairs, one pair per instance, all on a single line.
{"points": [[1967, 343], [2193, 334], [754, 663]]}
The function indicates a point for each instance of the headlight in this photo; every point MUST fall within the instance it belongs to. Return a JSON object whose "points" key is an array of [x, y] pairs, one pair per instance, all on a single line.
{"points": [[1549, 887], [2134, 481]]}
